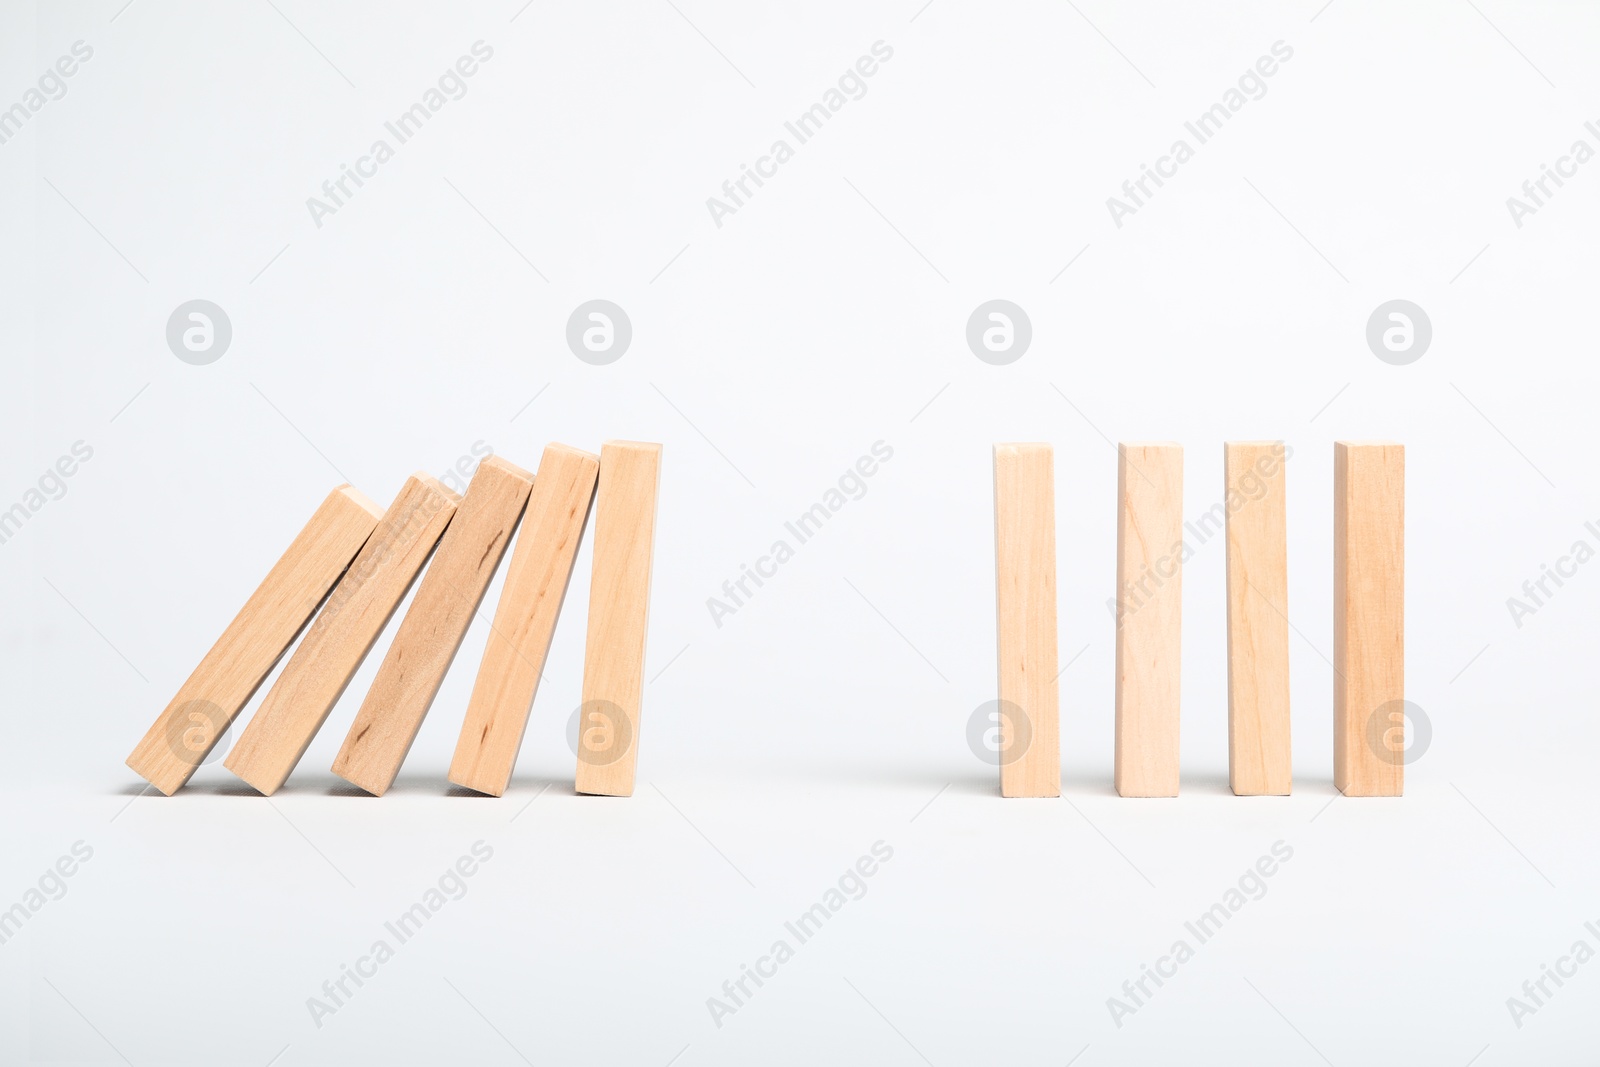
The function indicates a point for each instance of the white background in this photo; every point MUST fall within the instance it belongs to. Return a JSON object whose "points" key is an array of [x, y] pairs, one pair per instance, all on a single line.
{"points": [[768, 354]]}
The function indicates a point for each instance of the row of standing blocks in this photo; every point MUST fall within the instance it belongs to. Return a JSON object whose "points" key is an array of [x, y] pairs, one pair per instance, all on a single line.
{"points": [[355, 562], [1368, 623], [349, 569]]}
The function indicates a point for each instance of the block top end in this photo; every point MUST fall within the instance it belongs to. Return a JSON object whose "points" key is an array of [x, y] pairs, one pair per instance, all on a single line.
{"points": [[505, 466], [436, 485], [358, 498], [569, 450]]}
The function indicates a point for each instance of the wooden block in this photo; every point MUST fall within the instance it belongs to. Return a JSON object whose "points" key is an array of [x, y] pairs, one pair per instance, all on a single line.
{"points": [[315, 676], [223, 682], [1150, 553], [536, 584], [434, 626], [1258, 619], [1369, 572], [619, 608], [1025, 596]]}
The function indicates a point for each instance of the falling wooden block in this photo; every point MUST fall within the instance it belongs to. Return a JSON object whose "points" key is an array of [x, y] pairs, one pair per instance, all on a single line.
{"points": [[536, 584], [434, 626], [1369, 571], [223, 682], [332, 650], [619, 607], [1150, 553], [1258, 619], [1025, 596]]}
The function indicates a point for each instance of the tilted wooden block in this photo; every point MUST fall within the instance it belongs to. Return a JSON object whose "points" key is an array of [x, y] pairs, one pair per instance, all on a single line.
{"points": [[223, 682], [1025, 595], [619, 607], [332, 650], [536, 584], [434, 626], [1258, 619], [1369, 570], [1150, 553]]}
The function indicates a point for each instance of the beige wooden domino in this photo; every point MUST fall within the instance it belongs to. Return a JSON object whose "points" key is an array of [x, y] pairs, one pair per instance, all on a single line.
{"points": [[1025, 596], [525, 620], [434, 626], [183, 735], [1258, 619], [1150, 553], [619, 608], [1369, 507], [342, 635]]}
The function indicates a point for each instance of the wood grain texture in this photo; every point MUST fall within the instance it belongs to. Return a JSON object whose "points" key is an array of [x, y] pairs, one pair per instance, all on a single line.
{"points": [[1025, 596], [1369, 501], [619, 609], [342, 635], [224, 680], [1258, 619], [525, 620], [1150, 553], [431, 633]]}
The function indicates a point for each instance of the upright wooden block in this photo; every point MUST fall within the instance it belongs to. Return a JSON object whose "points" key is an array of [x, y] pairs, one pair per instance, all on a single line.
{"points": [[1150, 555], [1258, 619], [619, 605], [1369, 570], [223, 682], [536, 584], [315, 676], [1025, 598], [434, 626]]}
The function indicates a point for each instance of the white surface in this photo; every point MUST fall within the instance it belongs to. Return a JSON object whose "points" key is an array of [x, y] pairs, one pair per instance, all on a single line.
{"points": [[767, 357]]}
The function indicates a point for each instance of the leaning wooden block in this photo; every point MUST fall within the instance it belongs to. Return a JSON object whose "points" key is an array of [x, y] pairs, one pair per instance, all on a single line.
{"points": [[1025, 595], [183, 735], [1258, 619], [1369, 571], [315, 676], [536, 584], [434, 626], [619, 607], [1150, 553]]}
